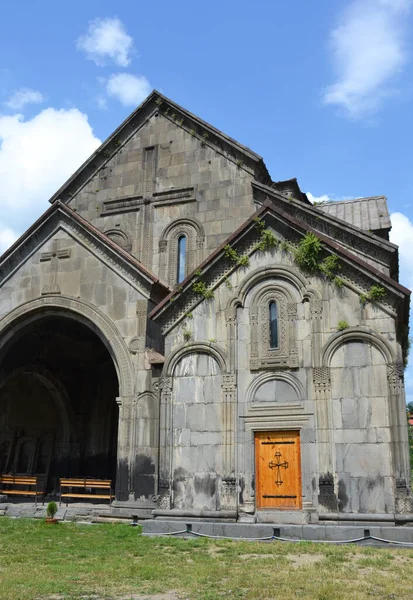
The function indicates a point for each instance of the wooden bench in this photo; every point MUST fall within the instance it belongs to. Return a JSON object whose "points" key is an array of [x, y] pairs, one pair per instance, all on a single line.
{"points": [[83, 486], [16, 481]]}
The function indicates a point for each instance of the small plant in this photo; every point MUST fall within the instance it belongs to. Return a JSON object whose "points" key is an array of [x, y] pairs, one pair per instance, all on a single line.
{"points": [[330, 265], [198, 272], [342, 325], [239, 163], [259, 223], [233, 255], [267, 241], [51, 510], [228, 283], [189, 315], [187, 335], [212, 341], [230, 253], [106, 153], [200, 288], [118, 143], [338, 281], [307, 253], [376, 292], [158, 101], [192, 132], [243, 261]]}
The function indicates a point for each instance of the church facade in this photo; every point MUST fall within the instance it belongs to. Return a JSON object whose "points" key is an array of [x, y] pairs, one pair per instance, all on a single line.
{"points": [[205, 337]]}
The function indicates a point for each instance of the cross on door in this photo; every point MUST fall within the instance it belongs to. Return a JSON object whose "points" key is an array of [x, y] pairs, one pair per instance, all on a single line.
{"points": [[278, 465], [54, 256]]}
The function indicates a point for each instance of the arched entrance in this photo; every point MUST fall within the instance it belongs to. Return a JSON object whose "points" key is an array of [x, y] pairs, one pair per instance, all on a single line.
{"points": [[58, 410]]}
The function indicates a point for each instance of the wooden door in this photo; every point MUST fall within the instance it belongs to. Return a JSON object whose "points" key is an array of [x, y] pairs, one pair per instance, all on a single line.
{"points": [[278, 469]]}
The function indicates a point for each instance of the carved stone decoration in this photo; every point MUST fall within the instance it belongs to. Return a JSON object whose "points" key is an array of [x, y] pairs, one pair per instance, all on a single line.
{"points": [[164, 496], [228, 383], [404, 498], [194, 233], [120, 237], [136, 345], [395, 376], [54, 256], [262, 355], [327, 497], [316, 309], [322, 379], [228, 493]]}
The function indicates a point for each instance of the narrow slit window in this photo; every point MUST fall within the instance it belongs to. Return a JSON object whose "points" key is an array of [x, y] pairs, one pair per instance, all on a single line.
{"points": [[273, 309], [181, 258]]}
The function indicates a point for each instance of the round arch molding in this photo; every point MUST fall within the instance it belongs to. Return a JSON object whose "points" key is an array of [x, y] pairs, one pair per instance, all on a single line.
{"points": [[360, 335], [211, 349], [85, 313]]}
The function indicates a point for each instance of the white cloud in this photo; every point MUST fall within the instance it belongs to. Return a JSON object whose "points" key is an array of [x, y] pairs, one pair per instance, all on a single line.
{"points": [[318, 199], [107, 38], [402, 234], [24, 96], [36, 157], [129, 89], [368, 50], [7, 238]]}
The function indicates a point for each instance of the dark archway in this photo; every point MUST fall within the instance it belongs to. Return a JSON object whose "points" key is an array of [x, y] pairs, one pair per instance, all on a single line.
{"points": [[58, 410]]}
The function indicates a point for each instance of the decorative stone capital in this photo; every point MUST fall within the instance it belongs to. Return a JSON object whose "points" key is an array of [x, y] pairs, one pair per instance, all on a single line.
{"points": [[137, 344], [321, 379], [316, 309], [228, 383], [395, 375], [163, 244]]}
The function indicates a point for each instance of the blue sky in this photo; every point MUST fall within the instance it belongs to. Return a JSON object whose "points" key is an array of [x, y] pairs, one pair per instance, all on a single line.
{"points": [[322, 90]]}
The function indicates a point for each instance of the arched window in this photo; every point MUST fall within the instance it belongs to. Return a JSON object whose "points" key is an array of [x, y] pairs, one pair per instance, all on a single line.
{"points": [[273, 323], [181, 258]]}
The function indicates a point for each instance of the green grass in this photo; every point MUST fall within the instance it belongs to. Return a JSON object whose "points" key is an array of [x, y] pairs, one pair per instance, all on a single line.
{"points": [[71, 561]]}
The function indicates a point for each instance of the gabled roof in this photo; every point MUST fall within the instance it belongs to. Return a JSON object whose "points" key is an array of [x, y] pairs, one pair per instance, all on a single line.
{"points": [[367, 242], [167, 311], [59, 214], [154, 103], [369, 214]]}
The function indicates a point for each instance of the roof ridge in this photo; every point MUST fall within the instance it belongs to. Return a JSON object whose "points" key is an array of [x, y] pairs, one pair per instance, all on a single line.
{"points": [[350, 200], [128, 127]]}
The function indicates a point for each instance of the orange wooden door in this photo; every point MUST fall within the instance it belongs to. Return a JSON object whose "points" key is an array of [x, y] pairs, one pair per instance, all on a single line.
{"points": [[278, 469]]}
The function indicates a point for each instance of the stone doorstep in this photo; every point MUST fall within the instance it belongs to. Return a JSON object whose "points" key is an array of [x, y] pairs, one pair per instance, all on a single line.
{"points": [[317, 532]]}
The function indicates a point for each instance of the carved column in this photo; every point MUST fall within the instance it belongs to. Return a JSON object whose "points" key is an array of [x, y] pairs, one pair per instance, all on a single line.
{"points": [[165, 499], [137, 344], [123, 484], [228, 492], [326, 455], [292, 326], [400, 448]]}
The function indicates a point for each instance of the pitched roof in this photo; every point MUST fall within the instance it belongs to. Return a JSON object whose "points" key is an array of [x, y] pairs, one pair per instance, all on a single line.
{"points": [[369, 214], [268, 207], [156, 102], [12, 256]]}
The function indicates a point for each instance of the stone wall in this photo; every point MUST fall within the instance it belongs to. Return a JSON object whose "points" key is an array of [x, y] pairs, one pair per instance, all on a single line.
{"points": [[184, 179]]}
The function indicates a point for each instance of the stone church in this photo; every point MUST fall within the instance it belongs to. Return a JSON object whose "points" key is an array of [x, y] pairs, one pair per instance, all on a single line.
{"points": [[205, 337]]}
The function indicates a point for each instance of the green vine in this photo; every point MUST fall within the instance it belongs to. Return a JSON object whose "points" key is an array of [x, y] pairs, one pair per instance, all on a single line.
{"points": [[201, 288], [307, 253], [232, 254], [187, 334], [376, 292]]}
